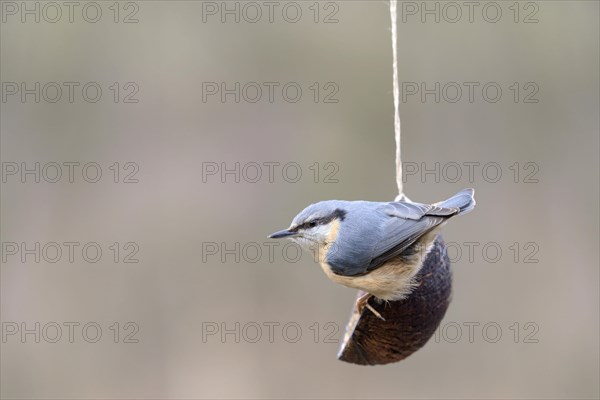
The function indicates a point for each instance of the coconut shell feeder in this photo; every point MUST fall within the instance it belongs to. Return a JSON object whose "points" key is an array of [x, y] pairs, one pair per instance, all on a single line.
{"points": [[409, 323]]}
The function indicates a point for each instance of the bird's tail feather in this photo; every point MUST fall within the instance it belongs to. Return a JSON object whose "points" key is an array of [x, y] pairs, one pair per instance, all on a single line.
{"points": [[463, 200]]}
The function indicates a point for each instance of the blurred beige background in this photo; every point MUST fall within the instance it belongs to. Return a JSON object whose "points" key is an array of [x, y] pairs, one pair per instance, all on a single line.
{"points": [[547, 310]]}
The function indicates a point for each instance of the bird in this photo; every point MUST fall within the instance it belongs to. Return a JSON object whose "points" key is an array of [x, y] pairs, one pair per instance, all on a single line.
{"points": [[377, 247]]}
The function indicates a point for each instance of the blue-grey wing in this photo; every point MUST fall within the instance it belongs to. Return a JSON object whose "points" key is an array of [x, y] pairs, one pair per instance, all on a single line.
{"points": [[383, 234], [405, 224]]}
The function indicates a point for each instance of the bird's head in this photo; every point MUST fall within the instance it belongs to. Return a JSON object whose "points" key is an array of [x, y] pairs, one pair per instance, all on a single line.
{"points": [[316, 227]]}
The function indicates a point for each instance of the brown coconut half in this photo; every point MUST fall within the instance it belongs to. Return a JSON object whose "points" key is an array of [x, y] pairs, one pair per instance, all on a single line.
{"points": [[409, 323]]}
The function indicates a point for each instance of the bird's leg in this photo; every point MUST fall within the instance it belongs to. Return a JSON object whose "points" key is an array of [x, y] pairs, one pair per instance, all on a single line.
{"points": [[363, 301]]}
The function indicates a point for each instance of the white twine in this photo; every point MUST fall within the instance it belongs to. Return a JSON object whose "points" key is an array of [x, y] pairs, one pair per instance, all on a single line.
{"points": [[396, 91]]}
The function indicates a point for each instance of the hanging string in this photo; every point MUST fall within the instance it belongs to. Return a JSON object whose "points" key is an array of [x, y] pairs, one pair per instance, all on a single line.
{"points": [[396, 91]]}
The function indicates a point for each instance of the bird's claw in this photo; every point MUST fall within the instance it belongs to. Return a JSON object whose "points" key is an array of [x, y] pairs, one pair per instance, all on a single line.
{"points": [[363, 302]]}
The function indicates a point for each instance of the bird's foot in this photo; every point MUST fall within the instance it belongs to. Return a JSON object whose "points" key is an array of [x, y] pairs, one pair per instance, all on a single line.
{"points": [[363, 302]]}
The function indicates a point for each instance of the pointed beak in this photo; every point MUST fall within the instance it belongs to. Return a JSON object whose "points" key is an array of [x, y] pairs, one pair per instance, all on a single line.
{"points": [[282, 234]]}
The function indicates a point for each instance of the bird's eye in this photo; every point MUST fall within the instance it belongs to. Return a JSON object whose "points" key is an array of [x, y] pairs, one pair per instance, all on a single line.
{"points": [[312, 224]]}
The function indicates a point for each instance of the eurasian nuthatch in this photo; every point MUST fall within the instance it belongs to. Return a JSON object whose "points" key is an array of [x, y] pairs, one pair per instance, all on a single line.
{"points": [[372, 246]]}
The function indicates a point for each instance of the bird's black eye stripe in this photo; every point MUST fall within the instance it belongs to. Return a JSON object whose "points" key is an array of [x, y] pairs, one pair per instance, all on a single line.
{"points": [[309, 224], [339, 214]]}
